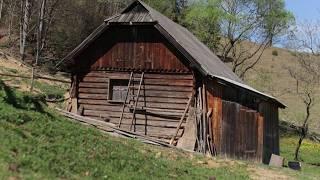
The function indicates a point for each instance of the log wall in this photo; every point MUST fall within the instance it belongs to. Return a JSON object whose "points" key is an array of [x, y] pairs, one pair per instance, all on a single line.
{"points": [[166, 96]]}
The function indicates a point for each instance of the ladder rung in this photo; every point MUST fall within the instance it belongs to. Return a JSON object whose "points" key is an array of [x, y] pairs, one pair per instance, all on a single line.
{"points": [[138, 109]]}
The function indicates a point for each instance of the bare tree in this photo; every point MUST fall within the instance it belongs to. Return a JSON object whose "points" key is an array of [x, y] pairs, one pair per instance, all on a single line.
{"points": [[40, 33], [26, 6], [249, 27], [306, 45], [11, 14]]}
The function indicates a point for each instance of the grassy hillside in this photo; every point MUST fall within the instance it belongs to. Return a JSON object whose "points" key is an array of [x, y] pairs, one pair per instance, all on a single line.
{"points": [[271, 75], [36, 143]]}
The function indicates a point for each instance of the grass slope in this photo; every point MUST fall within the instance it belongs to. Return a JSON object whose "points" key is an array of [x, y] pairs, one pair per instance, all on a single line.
{"points": [[271, 75], [36, 144]]}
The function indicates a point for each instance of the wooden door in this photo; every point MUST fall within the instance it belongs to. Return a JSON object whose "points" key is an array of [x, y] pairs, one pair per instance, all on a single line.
{"points": [[242, 132]]}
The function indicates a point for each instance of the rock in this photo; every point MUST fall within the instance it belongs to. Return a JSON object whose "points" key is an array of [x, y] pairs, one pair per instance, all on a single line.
{"points": [[276, 161]]}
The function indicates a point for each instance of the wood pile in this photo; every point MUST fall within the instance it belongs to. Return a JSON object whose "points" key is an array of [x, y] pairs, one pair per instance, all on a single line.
{"points": [[204, 143], [111, 129]]}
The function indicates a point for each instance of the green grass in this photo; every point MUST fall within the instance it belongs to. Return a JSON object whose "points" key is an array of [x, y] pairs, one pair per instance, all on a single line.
{"points": [[309, 155], [49, 90], [38, 144]]}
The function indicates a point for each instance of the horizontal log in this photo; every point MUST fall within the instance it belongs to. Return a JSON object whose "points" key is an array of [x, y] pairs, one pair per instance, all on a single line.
{"points": [[188, 83], [93, 96], [140, 104], [93, 90], [149, 123], [137, 75], [94, 85], [111, 116], [140, 121], [36, 77], [154, 130], [86, 88], [164, 88], [156, 94], [141, 99], [107, 126], [127, 115], [119, 108], [94, 80], [156, 114]]}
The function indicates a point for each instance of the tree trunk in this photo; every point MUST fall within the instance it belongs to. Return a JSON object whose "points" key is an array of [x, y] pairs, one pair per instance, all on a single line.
{"points": [[26, 8], [40, 38], [32, 79], [1, 8], [296, 155], [11, 12], [304, 128]]}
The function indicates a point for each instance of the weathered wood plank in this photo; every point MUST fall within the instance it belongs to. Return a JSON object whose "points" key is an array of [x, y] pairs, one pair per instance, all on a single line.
{"points": [[176, 76], [140, 104], [167, 82], [93, 90], [94, 85]]}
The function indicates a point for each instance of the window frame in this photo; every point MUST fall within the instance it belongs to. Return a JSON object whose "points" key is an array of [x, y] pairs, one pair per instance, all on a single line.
{"points": [[110, 89]]}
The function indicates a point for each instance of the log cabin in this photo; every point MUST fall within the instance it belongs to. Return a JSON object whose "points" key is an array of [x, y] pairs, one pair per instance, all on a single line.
{"points": [[147, 74]]}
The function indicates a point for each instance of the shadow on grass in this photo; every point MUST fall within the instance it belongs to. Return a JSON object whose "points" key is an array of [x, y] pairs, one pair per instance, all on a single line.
{"points": [[27, 102]]}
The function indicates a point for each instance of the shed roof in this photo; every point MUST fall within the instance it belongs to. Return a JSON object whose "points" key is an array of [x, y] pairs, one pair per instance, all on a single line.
{"points": [[203, 58]]}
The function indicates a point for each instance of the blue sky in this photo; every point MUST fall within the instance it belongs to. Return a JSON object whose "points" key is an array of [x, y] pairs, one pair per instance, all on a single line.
{"points": [[304, 9]]}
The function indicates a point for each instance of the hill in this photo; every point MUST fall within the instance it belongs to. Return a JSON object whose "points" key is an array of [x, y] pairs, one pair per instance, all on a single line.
{"points": [[36, 143], [271, 75]]}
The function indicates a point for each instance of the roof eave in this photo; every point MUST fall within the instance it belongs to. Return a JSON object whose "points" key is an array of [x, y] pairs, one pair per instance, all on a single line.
{"points": [[262, 95]]}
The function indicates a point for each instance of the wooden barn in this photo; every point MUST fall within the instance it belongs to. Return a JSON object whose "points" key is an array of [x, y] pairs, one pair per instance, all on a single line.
{"points": [[144, 73]]}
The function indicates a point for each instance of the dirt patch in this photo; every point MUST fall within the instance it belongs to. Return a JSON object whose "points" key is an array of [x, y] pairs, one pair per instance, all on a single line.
{"points": [[13, 167], [11, 63], [263, 173]]}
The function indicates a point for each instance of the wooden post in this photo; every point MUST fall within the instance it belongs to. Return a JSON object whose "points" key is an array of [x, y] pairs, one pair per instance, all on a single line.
{"points": [[260, 138], [204, 118], [181, 120], [74, 95], [32, 80]]}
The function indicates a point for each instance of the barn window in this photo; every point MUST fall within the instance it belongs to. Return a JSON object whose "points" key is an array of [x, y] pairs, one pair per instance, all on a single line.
{"points": [[118, 90]]}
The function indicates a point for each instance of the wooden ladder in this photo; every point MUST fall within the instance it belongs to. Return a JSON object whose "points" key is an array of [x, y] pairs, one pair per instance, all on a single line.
{"points": [[131, 97]]}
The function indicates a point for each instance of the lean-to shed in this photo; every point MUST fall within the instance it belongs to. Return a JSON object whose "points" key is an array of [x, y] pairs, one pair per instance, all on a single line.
{"points": [[145, 73]]}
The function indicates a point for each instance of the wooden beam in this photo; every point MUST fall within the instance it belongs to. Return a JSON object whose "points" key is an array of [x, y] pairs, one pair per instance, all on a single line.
{"points": [[35, 77], [111, 127], [181, 120]]}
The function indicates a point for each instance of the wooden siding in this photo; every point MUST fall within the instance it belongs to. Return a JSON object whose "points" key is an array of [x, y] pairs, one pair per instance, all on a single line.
{"points": [[271, 130], [134, 48], [214, 101], [237, 129], [166, 95], [140, 55], [240, 132]]}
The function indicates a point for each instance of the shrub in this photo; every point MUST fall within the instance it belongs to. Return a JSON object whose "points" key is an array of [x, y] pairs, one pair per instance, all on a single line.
{"points": [[275, 53]]}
